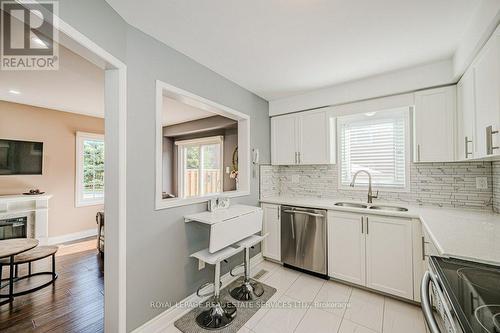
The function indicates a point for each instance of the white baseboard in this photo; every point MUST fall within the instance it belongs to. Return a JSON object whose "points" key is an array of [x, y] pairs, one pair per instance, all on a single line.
{"points": [[161, 322], [72, 237]]}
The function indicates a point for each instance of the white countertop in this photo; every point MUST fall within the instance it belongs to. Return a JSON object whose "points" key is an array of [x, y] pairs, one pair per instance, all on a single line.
{"points": [[221, 214], [459, 233]]}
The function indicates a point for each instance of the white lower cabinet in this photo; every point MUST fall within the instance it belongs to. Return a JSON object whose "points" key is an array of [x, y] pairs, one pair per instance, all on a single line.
{"points": [[271, 225], [389, 259], [346, 247], [372, 251]]}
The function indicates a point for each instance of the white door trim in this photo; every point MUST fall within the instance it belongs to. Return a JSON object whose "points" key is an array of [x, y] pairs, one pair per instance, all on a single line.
{"points": [[115, 291]]}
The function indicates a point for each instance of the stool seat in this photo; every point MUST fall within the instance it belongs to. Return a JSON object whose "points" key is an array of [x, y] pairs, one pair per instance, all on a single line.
{"points": [[216, 257], [34, 254], [251, 241]]}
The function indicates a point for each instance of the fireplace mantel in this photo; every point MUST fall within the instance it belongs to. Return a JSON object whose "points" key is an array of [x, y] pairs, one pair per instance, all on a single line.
{"points": [[28, 205]]}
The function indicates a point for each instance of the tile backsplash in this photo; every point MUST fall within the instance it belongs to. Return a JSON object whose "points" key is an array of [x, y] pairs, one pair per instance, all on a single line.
{"points": [[496, 186], [431, 184]]}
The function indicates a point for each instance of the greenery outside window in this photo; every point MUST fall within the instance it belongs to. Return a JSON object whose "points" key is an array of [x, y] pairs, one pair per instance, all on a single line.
{"points": [[90, 169]]}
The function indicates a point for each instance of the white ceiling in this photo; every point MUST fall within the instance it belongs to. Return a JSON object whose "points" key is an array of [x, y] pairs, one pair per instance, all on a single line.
{"points": [[277, 48], [175, 112], [77, 87]]}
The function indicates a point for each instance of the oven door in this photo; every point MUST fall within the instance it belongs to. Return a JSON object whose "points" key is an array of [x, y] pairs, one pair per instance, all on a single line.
{"points": [[432, 294]]}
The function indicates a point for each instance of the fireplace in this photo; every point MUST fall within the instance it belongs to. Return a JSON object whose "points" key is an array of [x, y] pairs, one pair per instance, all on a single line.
{"points": [[14, 228]]}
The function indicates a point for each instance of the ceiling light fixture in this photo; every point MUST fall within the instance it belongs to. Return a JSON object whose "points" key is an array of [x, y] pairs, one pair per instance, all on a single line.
{"points": [[14, 92], [369, 114]]}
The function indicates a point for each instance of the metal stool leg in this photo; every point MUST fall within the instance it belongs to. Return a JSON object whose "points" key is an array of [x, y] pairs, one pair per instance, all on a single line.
{"points": [[249, 289], [11, 278], [218, 315]]}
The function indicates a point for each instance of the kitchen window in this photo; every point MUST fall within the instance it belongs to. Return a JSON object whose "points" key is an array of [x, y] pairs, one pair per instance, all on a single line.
{"points": [[200, 166], [377, 142], [90, 169]]}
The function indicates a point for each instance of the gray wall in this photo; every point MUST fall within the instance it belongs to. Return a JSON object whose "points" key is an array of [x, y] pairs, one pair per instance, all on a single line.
{"points": [[162, 236], [159, 242]]}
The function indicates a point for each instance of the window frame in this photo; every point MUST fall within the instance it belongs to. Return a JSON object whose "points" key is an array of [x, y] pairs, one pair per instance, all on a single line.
{"points": [[181, 158], [406, 110], [243, 183], [80, 139]]}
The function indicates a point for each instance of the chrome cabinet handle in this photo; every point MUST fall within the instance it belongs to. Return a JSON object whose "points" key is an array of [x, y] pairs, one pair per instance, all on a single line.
{"points": [[303, 213], [367, 225], [418, 152], [467, 141], [489, 140], [362, 227], [293, 229], [426, 303], [295, 157], [423, 248]]}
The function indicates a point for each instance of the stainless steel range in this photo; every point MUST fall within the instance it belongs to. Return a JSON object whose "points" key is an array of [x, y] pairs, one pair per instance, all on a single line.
{"points": [[466, 296]]}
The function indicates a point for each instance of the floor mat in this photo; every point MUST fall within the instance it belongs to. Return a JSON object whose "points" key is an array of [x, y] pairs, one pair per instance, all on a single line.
{"points": [[245, 310]]}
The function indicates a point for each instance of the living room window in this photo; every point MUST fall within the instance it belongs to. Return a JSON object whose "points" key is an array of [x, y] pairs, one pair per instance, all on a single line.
{"points": [[377, 142], [90, 169], [200, 166]]}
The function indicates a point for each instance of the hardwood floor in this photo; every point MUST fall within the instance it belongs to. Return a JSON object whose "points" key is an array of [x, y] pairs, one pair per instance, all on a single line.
{"points": [[74, 303]]}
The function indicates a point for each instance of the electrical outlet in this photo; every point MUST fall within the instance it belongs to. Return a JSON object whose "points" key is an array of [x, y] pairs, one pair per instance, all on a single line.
{"points": [[201, 265], [295, 179], [481, 183]]}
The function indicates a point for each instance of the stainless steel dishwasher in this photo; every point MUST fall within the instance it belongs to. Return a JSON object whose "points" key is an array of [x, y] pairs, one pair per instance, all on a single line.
{"points": [[303, 239]]}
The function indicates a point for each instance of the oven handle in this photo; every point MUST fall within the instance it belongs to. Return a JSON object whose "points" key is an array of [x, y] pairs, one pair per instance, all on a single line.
{"points": [[426, 303]]}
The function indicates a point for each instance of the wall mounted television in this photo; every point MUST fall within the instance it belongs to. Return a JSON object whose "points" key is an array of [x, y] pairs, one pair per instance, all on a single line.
{"points": [[20, 157]]}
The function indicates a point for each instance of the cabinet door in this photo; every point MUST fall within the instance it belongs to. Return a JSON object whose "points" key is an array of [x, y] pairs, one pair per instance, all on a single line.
{"points": [[434, 125], [346, 247], [315, 137], [389, 258], [271, 246], [466, 113], [487, 88], [284, 140]]}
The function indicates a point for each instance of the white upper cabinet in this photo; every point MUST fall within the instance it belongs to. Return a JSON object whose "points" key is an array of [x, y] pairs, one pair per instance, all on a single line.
{"points": [[434, 121], [284, 140], [303, 138], [486, 69], [466, 109]]}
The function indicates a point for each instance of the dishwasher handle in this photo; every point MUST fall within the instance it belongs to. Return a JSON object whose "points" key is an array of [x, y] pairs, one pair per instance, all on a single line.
{"points": [[426, 303], [303, 213]]}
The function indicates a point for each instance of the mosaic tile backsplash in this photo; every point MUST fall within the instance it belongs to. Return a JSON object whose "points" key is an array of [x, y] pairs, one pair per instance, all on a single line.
{"points": [[431, 184], [496, 186]]}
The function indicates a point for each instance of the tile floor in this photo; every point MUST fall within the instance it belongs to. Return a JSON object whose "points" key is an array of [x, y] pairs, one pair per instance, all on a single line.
{"points": [[335, 308]]}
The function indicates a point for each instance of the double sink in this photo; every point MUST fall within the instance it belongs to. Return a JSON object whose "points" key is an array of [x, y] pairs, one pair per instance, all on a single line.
{"points": [[377, 207]]}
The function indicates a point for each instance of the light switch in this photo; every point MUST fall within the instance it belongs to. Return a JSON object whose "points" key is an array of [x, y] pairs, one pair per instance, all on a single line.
{"points": [[481, 183], [295, 179]]}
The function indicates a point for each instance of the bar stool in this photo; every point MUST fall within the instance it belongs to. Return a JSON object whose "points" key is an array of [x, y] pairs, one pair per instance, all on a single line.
{"points": [[249, 289], [218, 315]]}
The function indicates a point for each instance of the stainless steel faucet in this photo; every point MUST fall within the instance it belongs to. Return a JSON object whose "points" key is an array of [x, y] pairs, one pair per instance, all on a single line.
{"points": [[370, 194]]}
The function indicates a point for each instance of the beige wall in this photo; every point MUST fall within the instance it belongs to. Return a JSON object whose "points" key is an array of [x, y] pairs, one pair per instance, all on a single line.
{"points": [[56, 130]]}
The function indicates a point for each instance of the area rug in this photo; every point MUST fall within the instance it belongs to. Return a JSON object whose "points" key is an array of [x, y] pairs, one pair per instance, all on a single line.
{"points": [[245, 310]]}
